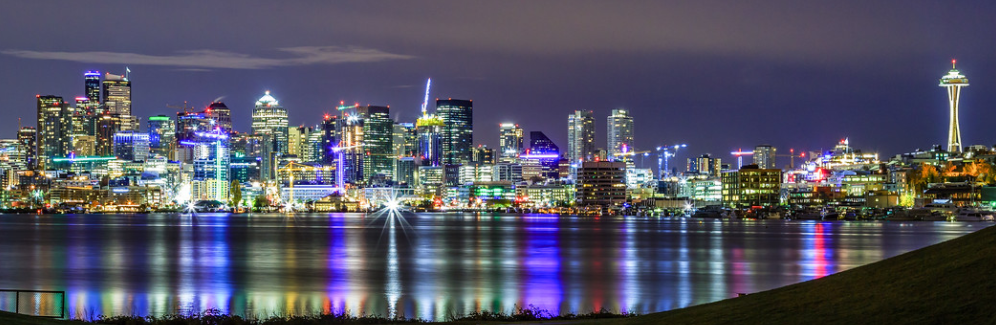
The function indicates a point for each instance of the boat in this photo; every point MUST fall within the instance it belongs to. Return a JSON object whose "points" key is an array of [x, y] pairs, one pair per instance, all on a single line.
{"points": [[972, 215], [709, 211]]}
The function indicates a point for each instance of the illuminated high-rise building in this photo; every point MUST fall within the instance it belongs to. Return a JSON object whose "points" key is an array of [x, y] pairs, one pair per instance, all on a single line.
{"points": [[91, 86], [107, 126], [211, 162], [131, 146], [221, 115], [542, 149], [405, 140], [162, 136], [270, 118], [954, 81], [54, 129], [509, 142], [458, 129], [27, 139], [117, 94], [764, 156], [430, 140], [581, 136], [620, 132], [378, 139]]}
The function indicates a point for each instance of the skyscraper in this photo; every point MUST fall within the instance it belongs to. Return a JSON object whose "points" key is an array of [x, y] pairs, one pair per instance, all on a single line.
{"points": [[405, 140], [458, 129], [131, 146], [26, 138], [54, 129], [620, 132], [269, 119], [91, 86], [378, 136], [117, 100], [509, 142], [430, 130], [764, 156], [162, 136], [581, 136], [221, 115], [543, 149], [953, 81]]}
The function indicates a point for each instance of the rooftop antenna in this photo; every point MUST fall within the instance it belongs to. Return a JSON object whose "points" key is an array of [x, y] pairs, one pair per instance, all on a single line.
{"points": [[127, 73], [425, 101]]}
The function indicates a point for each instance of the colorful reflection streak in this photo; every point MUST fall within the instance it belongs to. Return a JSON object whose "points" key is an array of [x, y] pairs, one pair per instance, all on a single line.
{"points": [[425, 265]]}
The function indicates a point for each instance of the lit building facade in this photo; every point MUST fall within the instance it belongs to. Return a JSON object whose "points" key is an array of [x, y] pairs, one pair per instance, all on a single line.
{"points": [[620, 136], [162, 135], [430, 140], [378, 142], [458, 129], [751, 186], [509, 142], [764, 156], [581, 136], [268, 117], [601, 184], [131, 146], [54, 129]]}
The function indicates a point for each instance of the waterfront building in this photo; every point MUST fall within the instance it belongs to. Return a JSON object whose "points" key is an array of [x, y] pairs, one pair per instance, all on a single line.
{"points": [[131, 146], [751, 186], [581, 136], [638, 177], [620, 133], [546, 195], [162, 136], [509, 142], [458, 129], [378, 138], [601, 184], [430, 181], [953, 82], [764, 156], [475, 174], [54, 129], [404, 172], [210, 166]]}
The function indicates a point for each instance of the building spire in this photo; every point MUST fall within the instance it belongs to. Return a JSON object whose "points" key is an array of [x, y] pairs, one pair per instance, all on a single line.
{"points": [[953, 64]]}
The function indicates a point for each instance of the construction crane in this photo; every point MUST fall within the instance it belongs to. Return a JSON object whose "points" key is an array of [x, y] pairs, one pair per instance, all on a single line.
{"points": [[664, 154], [292, 167], [792, 156], [340, 167], [740, 153], [185, 108]]}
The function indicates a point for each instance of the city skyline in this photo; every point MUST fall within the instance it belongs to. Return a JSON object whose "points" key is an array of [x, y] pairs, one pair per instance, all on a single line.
{"points": [[711, 83]]}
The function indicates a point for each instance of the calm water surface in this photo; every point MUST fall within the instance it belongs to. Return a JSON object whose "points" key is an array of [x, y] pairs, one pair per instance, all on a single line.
{"points": [[427, 265]]}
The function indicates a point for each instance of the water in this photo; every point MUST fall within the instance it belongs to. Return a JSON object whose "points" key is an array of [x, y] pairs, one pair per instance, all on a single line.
{"points": [[427, 265]]}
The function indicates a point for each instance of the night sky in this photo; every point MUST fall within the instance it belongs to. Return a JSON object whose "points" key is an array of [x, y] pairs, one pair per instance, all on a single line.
{"points": [[717, 75]]}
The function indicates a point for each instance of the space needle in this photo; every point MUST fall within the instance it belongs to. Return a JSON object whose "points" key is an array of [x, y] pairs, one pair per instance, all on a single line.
{"points": [[953, 81]]}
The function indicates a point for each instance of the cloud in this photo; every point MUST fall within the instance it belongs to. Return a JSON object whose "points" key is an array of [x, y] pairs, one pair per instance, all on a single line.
{"points": [[212, 59]]}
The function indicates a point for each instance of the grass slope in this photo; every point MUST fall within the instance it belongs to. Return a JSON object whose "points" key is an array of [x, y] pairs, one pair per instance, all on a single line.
{"points": [[7, 318], [953, 282]]}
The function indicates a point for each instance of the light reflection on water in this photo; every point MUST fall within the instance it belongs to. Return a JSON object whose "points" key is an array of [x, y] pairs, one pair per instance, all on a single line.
{"points": [[427, 265]]}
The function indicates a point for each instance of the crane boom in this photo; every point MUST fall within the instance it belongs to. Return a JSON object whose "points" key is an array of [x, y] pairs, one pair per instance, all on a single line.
{"points": [[425, 101]]}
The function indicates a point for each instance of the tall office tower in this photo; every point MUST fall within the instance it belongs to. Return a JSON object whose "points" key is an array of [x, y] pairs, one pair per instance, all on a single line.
{"points": [[509, 142], [54, 129], [620, 132], [548, 154], [270, 118], [430, 140], [458, 129], [404, 171], [221, 115], [27, 138], [294, 140], [162, 136], [330, 139], [581, 136], [131, 146], [311, 145], [107, 126], [212, 159], [953, 81], [764, 156], [405, 140], [601, 183], [117, 100], [378, 138], [91, 86], [352, 143], [187, 126]]}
